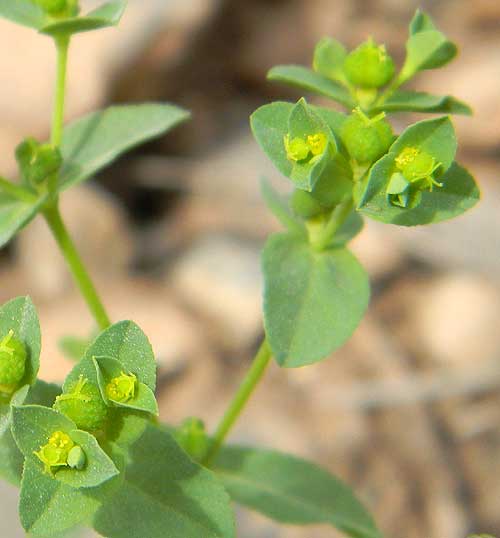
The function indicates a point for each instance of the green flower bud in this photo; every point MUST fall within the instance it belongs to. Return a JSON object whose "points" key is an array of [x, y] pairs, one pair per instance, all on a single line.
{"points": [[305, 205], [401, 193], [366, 139], [83, 404], [76, 458], [37, 161], [369, 65], [12, 363], [59, 8], [56, 453], [192, 437], [122, 388]]}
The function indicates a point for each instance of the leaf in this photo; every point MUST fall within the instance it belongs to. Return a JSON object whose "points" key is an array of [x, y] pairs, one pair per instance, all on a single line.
{"points": [[20, 316], [436, 136], [428, 49], [301, 77], [329, 56], [421, 22], [313, 300], [104, 16], [93, 142], [24, 12], [144, 399], [164, 493], [278, 205], [15, 214], [458, 194], [350, 228], [402, 101], [125, 342], [291, 490], [48, 507], [11, 459]]}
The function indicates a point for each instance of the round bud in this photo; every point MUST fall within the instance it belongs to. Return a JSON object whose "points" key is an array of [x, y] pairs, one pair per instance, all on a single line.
{"points": [[297, 149], [76, 458], [369, 66], [305, 205], [192, 437], [83, 404], [12, 361], [37, 161], [366, 139]]}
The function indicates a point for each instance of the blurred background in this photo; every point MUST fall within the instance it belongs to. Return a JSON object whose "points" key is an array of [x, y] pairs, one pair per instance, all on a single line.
{"points": [[408, 412]]}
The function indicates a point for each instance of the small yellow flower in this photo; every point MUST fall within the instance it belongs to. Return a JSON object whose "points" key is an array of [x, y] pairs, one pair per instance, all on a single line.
{"points": [[55, 453], [122, 388], [317, 143], [297, 149]]}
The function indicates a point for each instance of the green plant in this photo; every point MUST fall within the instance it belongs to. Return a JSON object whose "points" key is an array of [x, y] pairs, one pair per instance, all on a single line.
{"points": [[93, 452]]}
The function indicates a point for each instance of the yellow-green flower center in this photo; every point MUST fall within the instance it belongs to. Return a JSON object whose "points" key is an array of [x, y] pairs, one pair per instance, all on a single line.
{"points": [[56, 452], [122, 388], [305, 149]]}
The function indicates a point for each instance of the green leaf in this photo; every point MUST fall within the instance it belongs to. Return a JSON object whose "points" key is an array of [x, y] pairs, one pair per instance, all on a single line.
{"points": [[329, 56], [278, 205], [350, 228], [24, 12], [20, 316], [17, 398], [421, 22], [104, 16], [313, 300], [292, 491], [428, 49], [301, 77], [332, 118], [458, 194], [93, 142], [436, 136], [11, 459], [125, 342], [48, 507], [144, 398], [164, 493], [403, 101], [15, 214]]}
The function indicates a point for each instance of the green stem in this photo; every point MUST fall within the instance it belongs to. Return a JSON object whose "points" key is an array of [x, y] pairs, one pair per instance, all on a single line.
{"points": [[247, 387], [337, 218], [62, 46], [16, 191], [80, 275]]}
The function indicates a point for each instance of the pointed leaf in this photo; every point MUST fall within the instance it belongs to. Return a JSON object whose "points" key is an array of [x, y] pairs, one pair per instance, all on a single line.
{"points": [[24, 12], [106, 15], [291, 490], [458, 194], [15, 214], [93, 142], [329, 56], [164, 493], [313, 300], [125, 342], [278, 205], [11, 459], [421, 22], [403, 101], [306, 79]]}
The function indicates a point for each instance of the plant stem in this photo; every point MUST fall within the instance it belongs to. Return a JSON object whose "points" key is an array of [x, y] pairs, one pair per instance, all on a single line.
{"points": [[337, 218], [16, 191], [246, 389], [80, 275], [62, 46]]}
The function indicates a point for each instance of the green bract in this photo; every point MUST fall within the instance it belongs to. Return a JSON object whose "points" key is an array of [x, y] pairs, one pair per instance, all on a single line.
{"points": [[37, 161]]}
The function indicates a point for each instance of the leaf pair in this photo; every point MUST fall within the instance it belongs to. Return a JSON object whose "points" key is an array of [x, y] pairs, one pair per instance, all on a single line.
{"points": [[457, 194], [28, 13], [90, 144]]}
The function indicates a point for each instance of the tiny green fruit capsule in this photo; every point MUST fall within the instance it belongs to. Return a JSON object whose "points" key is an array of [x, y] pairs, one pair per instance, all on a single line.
{"points": [[83, 404], [297, 149], [369, 66], [77, 458], [418, 167], [305, 205], [12, 362], [37, 161], [366, 139], [192, 437]]}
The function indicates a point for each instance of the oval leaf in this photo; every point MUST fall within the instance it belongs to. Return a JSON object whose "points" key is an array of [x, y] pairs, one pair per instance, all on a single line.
{"points": [[403, 101], [24, 12], [15, 214], [291, 490], [313, 300], [93, 142]]}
